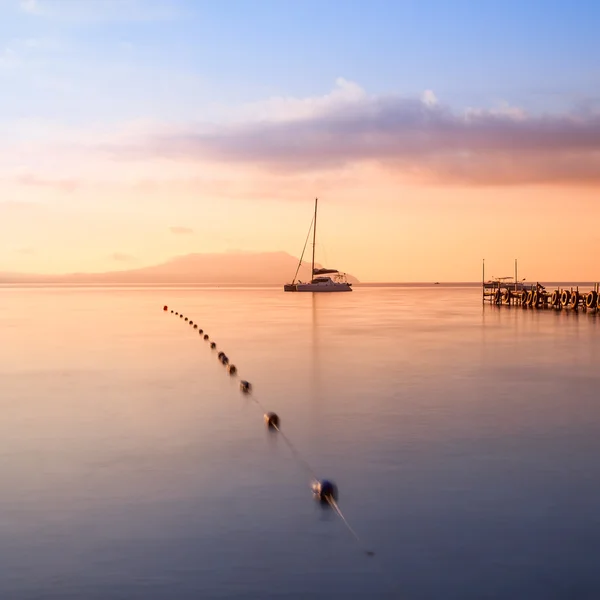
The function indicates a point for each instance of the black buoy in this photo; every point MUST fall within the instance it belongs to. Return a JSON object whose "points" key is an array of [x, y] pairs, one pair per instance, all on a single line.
{"points": [[186, 318], [191, 322], [325, 490], [213, 345], [181, 317], [171, 312], [224, 359], [176, 313], [200, 331], [245, 387], [195, 326], [272, 420], [232, 369], [206, 336], [220, 355], [165, 308]]}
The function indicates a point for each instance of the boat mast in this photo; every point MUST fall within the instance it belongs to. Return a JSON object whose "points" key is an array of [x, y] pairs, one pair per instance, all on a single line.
{"points": [[312, 272]]}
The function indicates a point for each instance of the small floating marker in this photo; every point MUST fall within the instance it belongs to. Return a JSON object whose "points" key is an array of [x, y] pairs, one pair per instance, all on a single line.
{"points": [[327, 493], [213, 345], [176, 313], [165, 308], [191, 322], [200, 331], [206, 336], [181, 317], [186, 318], [195, 326], [232, 369], [272, 420], [224, 359], [325, 490], [171, 312], [220, 355], [245, 387]]}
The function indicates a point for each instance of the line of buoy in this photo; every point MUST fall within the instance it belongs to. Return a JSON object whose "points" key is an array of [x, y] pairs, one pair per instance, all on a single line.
{"points": [[323, 490], [272, 420]]}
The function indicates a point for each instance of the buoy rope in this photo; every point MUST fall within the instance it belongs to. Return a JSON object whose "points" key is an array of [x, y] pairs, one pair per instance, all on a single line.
{"points": [[286, 439], [256, 400], [295, 452], [330, 500], [337, 509]]}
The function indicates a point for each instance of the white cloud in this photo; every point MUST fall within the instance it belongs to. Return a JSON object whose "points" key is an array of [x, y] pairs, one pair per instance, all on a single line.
{"points": [[504, 109], [286, 108], [429, 98]]}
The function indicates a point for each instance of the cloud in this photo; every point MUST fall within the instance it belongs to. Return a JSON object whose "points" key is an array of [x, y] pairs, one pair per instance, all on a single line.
{"points": [[122, 257], [429, 98], [415, 137], [177, 230], [285, 108]]}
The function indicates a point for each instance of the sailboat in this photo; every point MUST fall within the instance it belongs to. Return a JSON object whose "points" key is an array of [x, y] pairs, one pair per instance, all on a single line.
{"points": [[321, 283]]}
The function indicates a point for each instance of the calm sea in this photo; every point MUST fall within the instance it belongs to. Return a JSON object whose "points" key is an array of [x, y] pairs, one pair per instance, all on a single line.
{"points": [[464, 440]]}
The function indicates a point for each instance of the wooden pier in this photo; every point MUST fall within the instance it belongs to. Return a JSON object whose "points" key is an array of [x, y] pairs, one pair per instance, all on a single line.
{"points": [[512, 292]]}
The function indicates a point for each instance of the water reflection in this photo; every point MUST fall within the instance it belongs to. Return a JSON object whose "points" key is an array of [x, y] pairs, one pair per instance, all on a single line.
{"points": [[127, 446]]}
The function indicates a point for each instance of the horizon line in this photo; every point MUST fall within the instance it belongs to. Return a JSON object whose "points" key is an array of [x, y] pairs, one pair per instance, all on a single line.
{"points": [[34, 282]]}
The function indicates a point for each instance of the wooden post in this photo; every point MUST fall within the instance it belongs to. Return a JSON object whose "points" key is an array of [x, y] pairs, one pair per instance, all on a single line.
{"points": [[483, 282]]}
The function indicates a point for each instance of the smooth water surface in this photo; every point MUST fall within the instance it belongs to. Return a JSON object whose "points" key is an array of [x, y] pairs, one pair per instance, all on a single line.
{"points": [[464, 439]]}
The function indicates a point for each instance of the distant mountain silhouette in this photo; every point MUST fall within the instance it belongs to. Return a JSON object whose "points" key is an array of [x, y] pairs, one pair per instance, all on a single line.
{"points": [[226, 268]]}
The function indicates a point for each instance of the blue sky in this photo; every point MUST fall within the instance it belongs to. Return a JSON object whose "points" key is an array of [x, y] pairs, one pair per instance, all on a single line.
{"points": [[80, 57]]}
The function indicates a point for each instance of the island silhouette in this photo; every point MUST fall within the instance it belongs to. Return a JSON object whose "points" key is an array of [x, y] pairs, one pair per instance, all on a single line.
{"points": [[244, 268]]}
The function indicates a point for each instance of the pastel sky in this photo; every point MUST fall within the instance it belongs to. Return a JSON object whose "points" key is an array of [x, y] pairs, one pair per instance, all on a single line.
{"points": [[435, 134]]}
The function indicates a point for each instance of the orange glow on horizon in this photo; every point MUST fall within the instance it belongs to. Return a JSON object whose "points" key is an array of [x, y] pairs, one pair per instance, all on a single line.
{"points": [[370, 225]]}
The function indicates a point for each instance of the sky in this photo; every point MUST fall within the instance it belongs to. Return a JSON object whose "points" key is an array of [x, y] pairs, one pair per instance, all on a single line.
{"points": [[434, 133]]}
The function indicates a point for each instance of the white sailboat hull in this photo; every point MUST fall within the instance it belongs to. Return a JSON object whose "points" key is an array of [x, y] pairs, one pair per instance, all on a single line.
{"points": [[330, 286]]}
